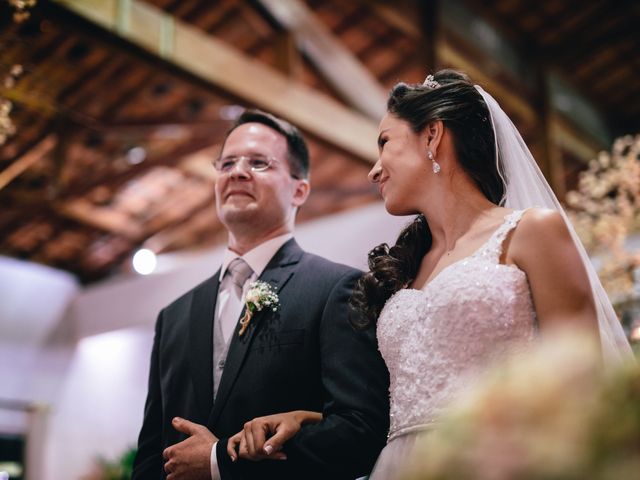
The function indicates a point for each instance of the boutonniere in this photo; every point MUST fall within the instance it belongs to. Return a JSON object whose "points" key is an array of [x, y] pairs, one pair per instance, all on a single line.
{"points": [[259, 296]]}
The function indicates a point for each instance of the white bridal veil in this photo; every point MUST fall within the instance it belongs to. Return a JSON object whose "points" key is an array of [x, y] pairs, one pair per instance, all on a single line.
{"points": [[527, 187]]}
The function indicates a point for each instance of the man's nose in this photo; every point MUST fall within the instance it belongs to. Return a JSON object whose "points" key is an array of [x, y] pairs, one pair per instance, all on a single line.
{"points": [[240, 170]]}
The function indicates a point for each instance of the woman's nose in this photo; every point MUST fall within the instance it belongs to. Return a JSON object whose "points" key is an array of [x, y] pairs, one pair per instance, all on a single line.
{"points": [[376, 171]]}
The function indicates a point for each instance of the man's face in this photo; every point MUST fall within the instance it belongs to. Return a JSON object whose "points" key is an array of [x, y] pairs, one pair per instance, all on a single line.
{"points": [[262, 200]]}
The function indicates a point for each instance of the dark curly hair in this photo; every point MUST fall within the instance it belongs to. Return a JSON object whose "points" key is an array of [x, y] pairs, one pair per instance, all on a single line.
{"points": [[462, 110]]}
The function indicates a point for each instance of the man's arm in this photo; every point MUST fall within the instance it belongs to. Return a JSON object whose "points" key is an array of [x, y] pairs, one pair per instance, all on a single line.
{"points": [[148, 462], [356, 396], [355, 420]]}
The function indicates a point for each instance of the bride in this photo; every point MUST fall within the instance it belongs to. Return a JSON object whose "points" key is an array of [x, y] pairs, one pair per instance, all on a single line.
{"points": [[480, 272]]}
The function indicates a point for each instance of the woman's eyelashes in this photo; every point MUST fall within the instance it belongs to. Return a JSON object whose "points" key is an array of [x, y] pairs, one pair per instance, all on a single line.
{"points": [[381, 142]]}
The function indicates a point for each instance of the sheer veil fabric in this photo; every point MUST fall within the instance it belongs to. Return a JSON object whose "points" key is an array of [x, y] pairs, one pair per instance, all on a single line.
{"points": [[527, 187]]}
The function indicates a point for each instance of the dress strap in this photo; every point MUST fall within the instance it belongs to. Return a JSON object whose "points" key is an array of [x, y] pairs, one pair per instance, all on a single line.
{"points": [[493, 248]]}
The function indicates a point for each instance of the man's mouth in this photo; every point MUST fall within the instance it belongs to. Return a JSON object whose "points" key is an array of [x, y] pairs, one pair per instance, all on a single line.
{"points": [[231, 193]]}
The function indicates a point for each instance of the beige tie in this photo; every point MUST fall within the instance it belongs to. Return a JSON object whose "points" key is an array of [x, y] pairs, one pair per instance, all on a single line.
{"points": [[238, 272]]}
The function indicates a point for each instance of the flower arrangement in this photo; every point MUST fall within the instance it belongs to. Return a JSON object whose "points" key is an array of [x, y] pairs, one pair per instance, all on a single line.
{"points": [[117, 469], [7, 127], [260, 295], [551, 413], [22, 9], [605, 208]]}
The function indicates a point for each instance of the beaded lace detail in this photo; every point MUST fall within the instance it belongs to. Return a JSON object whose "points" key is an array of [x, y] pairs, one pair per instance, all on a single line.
{"points": [[433, 340]]}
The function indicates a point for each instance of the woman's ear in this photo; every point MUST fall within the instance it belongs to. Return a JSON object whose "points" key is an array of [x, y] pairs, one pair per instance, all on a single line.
{"points": [[433, 135]]}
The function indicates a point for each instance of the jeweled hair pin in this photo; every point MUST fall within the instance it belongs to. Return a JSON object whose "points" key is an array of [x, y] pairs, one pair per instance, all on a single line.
{"points": [[430, 82]]}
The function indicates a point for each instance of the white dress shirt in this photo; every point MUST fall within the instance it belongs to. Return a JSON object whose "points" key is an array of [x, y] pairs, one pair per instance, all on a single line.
{"points": [[257, 259]]}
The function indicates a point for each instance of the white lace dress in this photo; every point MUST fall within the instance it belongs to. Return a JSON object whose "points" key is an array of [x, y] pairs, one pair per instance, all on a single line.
{"points": [[436, 339]]}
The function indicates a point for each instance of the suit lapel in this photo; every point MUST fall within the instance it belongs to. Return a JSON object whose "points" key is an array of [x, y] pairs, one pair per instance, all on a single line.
{"points": [[277, 273], [201, 342]]}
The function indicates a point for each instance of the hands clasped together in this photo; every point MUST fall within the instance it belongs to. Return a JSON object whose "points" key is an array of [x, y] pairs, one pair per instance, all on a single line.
{"points": [[263, 438]]}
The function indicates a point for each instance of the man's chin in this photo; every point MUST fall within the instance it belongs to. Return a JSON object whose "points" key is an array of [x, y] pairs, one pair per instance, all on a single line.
{"points": [[236, 213]]}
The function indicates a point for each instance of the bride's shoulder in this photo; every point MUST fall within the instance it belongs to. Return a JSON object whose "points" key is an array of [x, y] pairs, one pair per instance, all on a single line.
{"points": [[539, 230], [538, 221]]}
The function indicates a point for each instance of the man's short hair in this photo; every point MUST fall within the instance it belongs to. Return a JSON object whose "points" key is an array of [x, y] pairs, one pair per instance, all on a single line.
{"points": [[298, 153]]}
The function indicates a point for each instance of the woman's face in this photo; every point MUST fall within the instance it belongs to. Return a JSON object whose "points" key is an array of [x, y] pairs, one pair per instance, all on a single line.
{"points": [[403, 170]]}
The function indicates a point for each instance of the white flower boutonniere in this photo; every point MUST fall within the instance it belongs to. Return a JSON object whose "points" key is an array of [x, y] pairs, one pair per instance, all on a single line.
{"points": [[259, 296]]}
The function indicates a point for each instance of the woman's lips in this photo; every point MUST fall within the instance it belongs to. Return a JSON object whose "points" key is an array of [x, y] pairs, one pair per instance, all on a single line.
{"points": [[381, 186]]}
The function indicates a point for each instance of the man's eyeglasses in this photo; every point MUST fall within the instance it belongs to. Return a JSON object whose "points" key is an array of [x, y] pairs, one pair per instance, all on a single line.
{"points": [[256, 163]]}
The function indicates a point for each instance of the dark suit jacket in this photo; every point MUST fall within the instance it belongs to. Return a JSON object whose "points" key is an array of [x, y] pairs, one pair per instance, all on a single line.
{"points": [[305, 356]]}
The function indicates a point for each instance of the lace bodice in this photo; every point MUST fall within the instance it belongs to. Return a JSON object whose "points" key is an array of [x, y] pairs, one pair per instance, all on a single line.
{"points": [[433, 340]]}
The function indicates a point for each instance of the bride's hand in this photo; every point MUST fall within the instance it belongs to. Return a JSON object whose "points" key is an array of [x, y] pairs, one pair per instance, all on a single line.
{"points": [[237, 446], [234, 445], [263, 438]]}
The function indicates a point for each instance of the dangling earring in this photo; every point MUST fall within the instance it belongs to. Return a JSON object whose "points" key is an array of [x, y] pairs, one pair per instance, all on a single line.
{"points": [[435, 165]]}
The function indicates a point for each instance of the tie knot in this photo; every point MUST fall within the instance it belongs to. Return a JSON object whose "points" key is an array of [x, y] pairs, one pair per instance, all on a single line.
{"points": [[240, 271]]}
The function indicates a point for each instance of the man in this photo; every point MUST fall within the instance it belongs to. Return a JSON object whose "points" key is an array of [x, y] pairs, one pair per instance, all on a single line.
{"points": [[216, 374]]}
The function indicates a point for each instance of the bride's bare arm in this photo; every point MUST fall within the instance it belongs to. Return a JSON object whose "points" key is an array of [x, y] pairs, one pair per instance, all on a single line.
{"points": [[542, 247], [263, 437]]}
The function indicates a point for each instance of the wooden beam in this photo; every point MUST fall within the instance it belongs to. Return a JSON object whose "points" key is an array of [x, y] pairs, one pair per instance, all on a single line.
{"points": [[550, 161], [572, 139], [223, 66], [428, 12], [170, 158], [392, 16], [200, 163], [105, 219], [288, 58], [447, 53], [346, 74], [14, 170], [201, 227], [509, 100]]}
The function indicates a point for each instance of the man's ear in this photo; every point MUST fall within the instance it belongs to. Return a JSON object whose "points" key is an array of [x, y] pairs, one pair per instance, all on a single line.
{"points": [[301, 192], [432, 135]]}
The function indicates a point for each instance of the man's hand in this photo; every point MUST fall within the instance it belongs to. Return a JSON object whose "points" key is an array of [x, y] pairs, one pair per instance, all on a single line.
{"points": [[189, 459]]}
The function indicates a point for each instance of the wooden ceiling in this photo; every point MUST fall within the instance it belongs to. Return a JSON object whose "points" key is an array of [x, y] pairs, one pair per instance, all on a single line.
{"points": [[113, 144], [595, 45]]}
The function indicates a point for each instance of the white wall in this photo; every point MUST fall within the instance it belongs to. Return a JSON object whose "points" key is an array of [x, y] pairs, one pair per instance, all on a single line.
{"points": [[99, 407], [33, 304], [92, 364]]}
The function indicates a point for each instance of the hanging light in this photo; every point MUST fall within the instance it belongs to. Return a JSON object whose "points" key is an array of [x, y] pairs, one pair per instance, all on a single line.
{"points": [[144, 261]]}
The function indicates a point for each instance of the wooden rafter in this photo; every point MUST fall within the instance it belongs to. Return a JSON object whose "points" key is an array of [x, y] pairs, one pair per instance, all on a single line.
{"points": [[227, 68], [107, 220], [511, 101], [447, 53], [170, 158], [428, 14], [334, 61], [38, 151]]}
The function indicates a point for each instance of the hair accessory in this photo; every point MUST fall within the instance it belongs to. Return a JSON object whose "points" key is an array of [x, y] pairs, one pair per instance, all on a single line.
{"points": [[430, 82], [435, 165]]}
